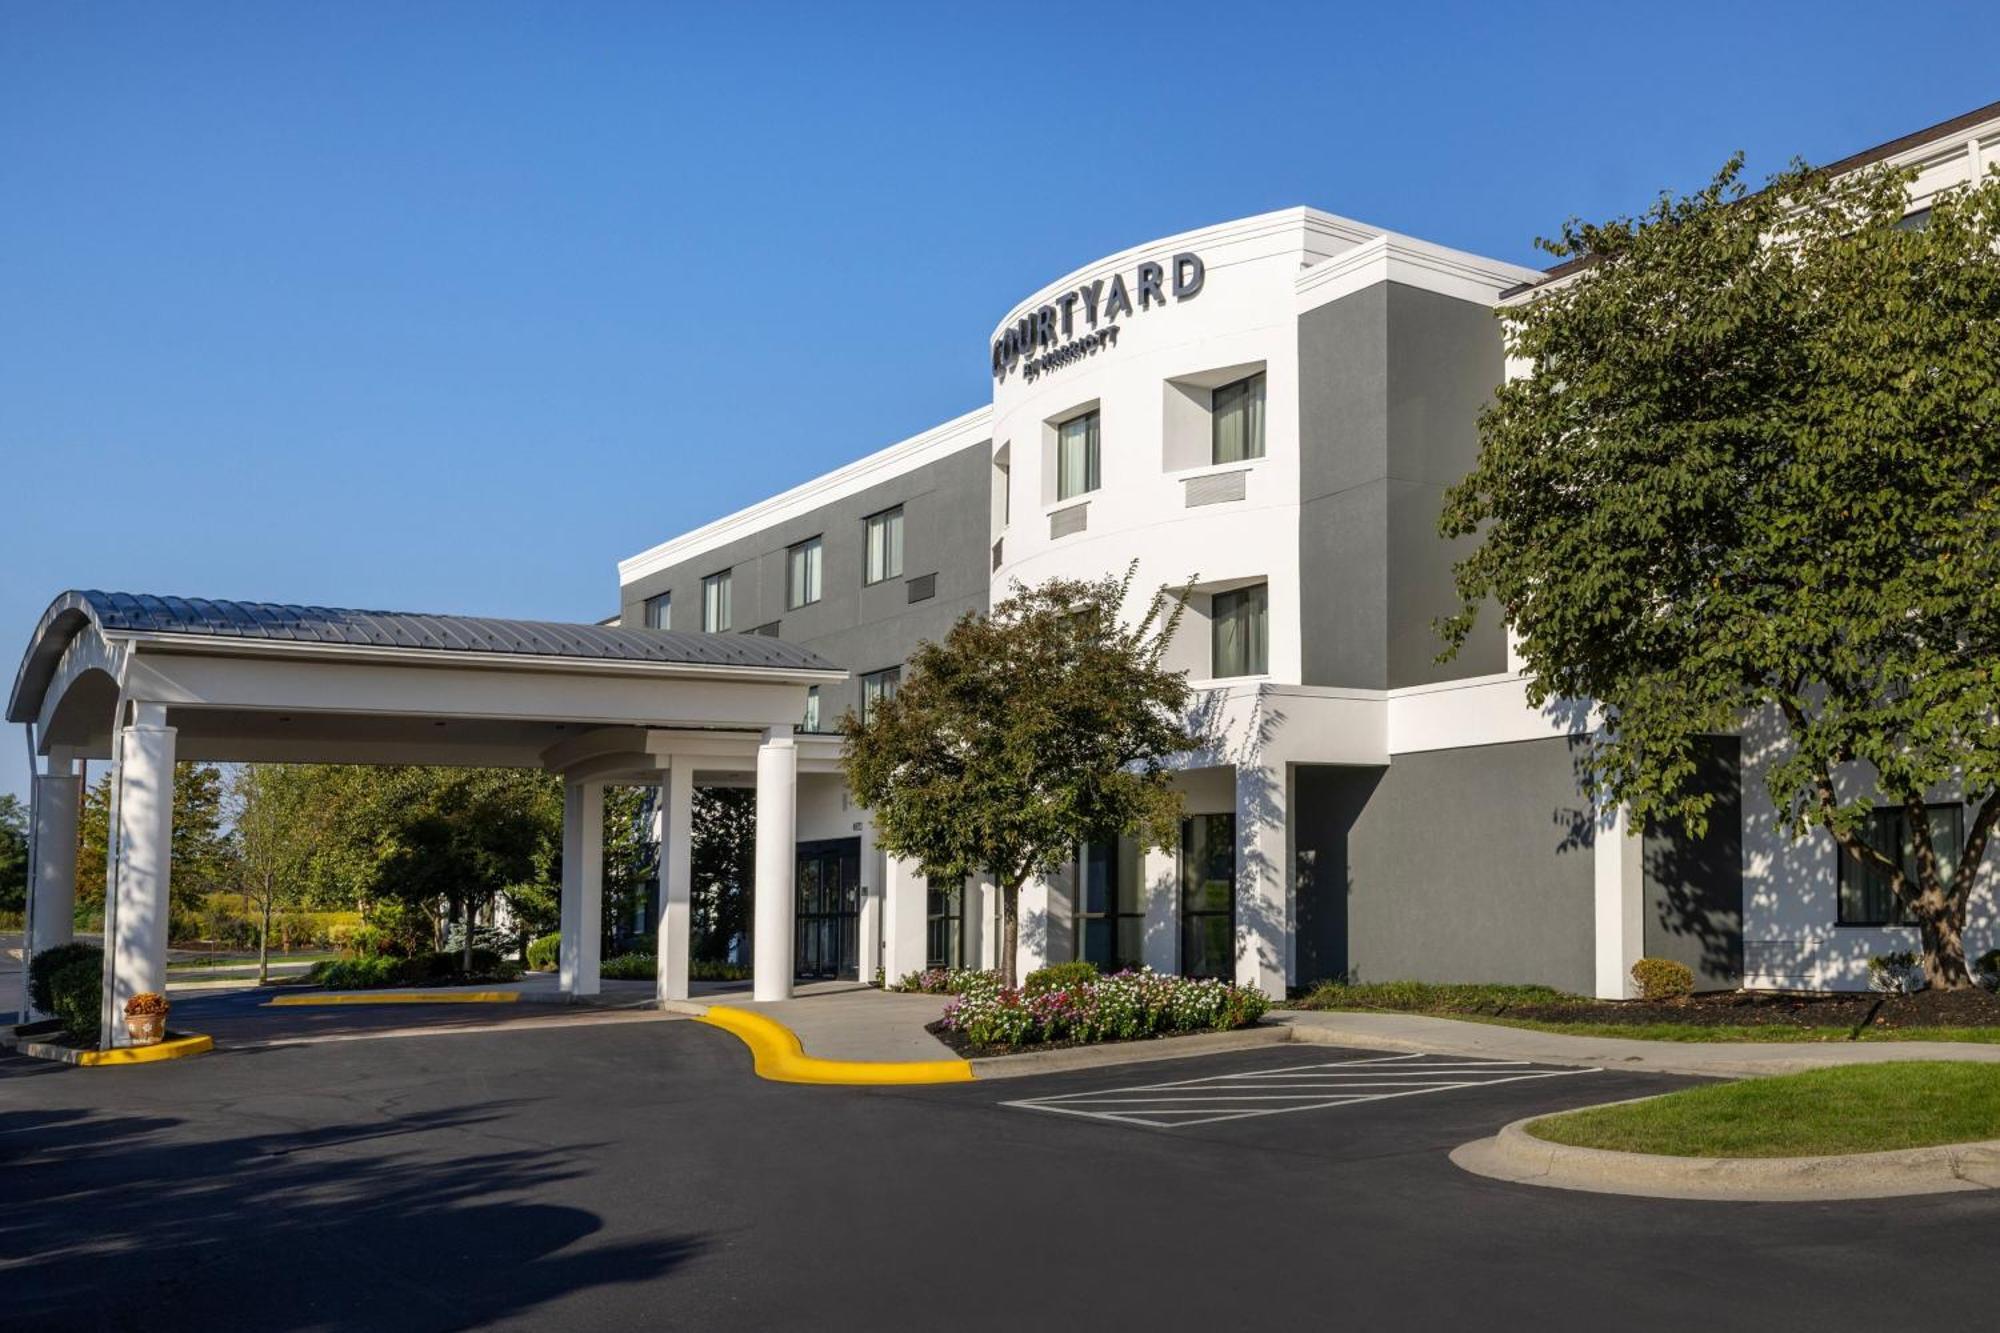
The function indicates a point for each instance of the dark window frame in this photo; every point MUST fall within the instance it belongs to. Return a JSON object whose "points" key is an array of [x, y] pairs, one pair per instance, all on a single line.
{"points": [[1858, 887]]}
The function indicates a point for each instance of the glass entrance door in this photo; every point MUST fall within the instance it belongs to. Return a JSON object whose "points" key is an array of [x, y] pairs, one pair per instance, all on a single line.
{"points": [[828, 929], [1208, 896], [1110, 911]]}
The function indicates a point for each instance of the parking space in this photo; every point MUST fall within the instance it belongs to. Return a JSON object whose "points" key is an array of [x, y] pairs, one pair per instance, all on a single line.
{"points": [[1316, 1086]]}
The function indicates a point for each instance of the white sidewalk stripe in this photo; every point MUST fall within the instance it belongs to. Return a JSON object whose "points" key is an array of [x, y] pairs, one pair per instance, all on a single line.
{"points": [[1262, 1092]]}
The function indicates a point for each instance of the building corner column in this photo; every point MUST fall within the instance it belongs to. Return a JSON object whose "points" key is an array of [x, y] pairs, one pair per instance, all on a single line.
{"points": [[777, 864], [904, 913], [1619, 876], [676, 882], [1263, 880], [52, 883], [868, 952]]}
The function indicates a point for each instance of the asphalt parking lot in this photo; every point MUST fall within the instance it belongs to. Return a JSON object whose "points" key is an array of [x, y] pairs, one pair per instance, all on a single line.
{"points": [[638, 1175]]}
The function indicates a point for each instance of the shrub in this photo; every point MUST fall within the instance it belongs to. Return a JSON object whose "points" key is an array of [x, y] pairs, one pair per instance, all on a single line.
{"points": [[357, 973], [1426, 997], [1663, 979], [369, 970], [76, 997], [545, 954], [1987, 969], [146, 1002], [629, 967], [946, 981], [706, 969], [1895, 973], [42, 971], [1059, 976]]}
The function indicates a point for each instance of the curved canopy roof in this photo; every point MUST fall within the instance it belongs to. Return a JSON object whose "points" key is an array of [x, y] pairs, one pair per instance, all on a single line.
{"points": [[116, 614]]}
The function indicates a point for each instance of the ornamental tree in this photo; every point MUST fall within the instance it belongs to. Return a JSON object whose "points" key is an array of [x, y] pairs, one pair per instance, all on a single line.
{"points": [[1755, 470], [1047, 723]]}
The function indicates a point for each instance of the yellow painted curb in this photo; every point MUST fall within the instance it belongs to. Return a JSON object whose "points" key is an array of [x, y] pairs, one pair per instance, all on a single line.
{"points": [[777, 1055], [173, 1048], [400, 997]]}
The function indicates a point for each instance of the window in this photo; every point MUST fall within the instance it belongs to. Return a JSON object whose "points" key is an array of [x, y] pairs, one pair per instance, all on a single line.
{"points": [[1865, 897], [1238, 420], [1239, 628], [1076, 456], [660, 611], [944, 937], [1110, 909], [811, 720], [1208, 896], [715, 616], [877, 686], [802, 583], [884, 545]]}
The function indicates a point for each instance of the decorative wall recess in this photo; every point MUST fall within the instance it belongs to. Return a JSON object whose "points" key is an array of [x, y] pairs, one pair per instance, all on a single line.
{"points": [[1216, 488], [1065, 522]]}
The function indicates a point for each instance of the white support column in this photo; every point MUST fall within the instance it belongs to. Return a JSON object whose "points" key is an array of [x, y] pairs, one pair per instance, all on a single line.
{"points": [[676, 880], [1036, 907], [1618, 866], [977, 913], [58, 796], [777, 863], [143, 859], [1263, 881], [868, 949], [1159, 948], [582, 888], [903, 915]]}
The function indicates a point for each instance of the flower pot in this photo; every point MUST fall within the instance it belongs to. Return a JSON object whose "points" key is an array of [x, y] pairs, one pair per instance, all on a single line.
{"points": [[146, 1029]]}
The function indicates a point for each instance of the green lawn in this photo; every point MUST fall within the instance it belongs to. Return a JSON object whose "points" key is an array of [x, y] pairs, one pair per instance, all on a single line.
{"points": [[1713, 1033], [1857, 1108]]}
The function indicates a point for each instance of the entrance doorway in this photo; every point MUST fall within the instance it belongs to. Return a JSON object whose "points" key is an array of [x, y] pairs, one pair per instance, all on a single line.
{"points": [[828, 942], [1208, 896]]}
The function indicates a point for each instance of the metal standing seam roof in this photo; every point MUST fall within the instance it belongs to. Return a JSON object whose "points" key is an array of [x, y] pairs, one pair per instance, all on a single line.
{"points": [[139, 613]]}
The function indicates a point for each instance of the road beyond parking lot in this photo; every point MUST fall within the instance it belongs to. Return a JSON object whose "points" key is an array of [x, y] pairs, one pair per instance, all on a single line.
{"points": [[638, 1176]]}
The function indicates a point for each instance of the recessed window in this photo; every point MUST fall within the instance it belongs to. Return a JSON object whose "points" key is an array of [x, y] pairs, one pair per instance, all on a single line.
{"points": [[811, 720], [1238, 420], [878, 687], [715, 612], [1208, 896], [1865, 896], [944, 935], [1110, 910], [1239, 622], [802, 574], [660, 611], [1076, 456], [884, 545]]}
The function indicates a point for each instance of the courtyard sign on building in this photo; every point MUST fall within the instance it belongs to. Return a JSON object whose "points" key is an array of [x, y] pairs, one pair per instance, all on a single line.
{"points": [[1046, 338]]}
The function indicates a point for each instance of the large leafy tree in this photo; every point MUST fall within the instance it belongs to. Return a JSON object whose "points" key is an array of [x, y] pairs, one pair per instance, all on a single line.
{"points": [[279, 828], [1047, 723], [1755, 472], [722, 857], [201, 856]]}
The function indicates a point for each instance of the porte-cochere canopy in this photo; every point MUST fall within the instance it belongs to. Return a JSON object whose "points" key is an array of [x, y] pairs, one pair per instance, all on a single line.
{"points": [[147, 681]]}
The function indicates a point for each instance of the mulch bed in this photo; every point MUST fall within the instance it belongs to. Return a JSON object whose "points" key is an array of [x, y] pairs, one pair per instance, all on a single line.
{"points": [[1973, 1008], [972, 1051]]}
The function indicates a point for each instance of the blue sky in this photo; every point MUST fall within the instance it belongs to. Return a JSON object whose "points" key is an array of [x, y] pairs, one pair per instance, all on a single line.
{"points": [[449, 306]]}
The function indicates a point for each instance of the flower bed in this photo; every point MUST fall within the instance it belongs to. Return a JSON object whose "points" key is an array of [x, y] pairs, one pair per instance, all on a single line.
{"points": [[983, 1017]]}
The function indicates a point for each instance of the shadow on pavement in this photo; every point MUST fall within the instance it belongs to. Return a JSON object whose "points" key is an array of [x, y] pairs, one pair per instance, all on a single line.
{"points": [[107, 1218]]}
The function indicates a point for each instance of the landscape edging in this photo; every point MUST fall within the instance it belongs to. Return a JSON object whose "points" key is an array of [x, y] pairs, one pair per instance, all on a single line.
{"points": [[1519, 1157]]}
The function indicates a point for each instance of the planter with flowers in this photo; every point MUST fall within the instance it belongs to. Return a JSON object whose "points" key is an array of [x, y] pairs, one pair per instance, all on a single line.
{"points": [[146, 1018]]}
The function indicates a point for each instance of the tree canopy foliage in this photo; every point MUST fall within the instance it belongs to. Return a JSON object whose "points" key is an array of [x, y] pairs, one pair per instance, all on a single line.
{"points": [[1029, 730], [13, 853], [1755, 473]]}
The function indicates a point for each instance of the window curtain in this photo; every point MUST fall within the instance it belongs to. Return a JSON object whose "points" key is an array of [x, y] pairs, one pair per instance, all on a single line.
{"points": [[1238, 416], [1076, 456], [1241, 627]]}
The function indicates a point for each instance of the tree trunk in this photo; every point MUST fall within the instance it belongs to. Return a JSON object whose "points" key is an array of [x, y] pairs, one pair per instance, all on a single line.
{"points": [[466, 916], [1943, 932], [264, 944], [1010, 932]]}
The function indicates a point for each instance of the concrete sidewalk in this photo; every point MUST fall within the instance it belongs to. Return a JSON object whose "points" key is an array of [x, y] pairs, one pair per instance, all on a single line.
{"points": [[843, 1020], [1722, 1059]]}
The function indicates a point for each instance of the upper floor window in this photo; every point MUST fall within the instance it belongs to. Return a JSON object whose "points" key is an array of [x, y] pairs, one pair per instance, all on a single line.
{"points": [[884, 545], [1240, 628], [878, 686], [1076, 456], [715, 613], [660, 611], [1865, 896], [1238, 420], [811, 720], [802, 574]]}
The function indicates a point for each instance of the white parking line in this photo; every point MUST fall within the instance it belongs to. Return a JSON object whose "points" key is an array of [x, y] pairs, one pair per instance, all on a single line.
{"points": [[1261, 1092]]}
